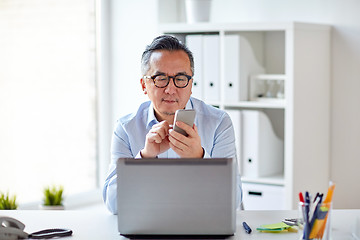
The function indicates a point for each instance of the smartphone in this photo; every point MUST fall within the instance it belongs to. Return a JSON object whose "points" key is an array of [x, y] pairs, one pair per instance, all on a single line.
{"points": [[184, 115]]}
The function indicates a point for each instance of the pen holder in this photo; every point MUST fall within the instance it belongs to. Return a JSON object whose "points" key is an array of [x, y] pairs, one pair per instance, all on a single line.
{"points": [[316, 220]]}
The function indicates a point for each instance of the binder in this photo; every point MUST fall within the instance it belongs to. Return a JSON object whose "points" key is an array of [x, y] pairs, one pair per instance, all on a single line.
{"points": [[240, 63], [232, 68], [211, 68], [195, 44], [263, 151]]}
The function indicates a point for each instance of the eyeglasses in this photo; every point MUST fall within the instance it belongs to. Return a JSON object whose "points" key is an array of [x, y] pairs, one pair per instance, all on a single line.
{"points": [[162, 80]]}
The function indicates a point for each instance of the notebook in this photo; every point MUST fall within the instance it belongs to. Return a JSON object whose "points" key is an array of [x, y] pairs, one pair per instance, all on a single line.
{"points": [[176, 196]]}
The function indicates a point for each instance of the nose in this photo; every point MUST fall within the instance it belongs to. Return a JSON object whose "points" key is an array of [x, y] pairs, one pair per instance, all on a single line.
{"points": [[170, 88]]}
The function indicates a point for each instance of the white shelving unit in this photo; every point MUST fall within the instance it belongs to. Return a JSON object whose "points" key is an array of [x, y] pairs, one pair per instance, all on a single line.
{"points": [[296, 55]]}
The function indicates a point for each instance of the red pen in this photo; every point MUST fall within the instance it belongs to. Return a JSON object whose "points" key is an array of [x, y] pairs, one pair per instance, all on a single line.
{"points": [[301, 197]]}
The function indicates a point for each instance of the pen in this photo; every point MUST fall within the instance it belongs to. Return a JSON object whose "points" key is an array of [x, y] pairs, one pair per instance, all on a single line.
{"points": [[247, 228], [317, 194], [329, 193], [306, 216], [301, 197], [315, 213]]}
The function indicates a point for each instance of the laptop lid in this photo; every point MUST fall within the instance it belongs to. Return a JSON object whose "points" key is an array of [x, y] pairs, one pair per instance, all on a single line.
{"points": [[176, 196]]}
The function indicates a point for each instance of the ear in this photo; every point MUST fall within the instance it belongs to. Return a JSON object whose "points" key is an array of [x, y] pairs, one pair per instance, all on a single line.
{"points": [[143, 86], [191, 86]]}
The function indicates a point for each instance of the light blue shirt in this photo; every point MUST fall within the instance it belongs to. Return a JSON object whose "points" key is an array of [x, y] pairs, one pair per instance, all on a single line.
{"points": [[214, 128]]}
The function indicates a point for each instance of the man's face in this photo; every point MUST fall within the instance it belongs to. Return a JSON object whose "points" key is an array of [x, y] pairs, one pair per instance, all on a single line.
{"points": [[170, 98]]}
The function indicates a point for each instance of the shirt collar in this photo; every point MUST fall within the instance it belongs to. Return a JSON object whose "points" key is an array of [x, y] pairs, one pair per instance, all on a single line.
{"points": [[151, 119]]}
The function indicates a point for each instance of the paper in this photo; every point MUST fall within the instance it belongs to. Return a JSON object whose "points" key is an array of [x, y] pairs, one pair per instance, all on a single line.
{"points": [[276, 228]]}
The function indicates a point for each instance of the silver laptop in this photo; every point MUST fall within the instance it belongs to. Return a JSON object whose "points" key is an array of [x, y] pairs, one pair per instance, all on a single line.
{"points": [[176, 196]]}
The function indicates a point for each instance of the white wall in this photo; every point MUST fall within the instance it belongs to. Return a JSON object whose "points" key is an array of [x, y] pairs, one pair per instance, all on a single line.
{"points": [[124, 28], [134, 24]]}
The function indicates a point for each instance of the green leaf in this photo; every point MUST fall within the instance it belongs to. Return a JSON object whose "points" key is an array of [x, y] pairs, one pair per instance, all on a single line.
{"points": [[53, 196], [7, 202]]}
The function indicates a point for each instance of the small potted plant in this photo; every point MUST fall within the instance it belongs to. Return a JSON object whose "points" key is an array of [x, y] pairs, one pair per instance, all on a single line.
{"points": [[7, 202], [53, 198]]}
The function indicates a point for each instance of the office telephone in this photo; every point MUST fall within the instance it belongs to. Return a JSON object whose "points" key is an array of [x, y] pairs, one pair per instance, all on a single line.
{"points": [[10, 229]]}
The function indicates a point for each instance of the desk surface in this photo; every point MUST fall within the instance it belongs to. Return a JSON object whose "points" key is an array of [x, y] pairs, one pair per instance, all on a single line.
{"points": [[103, 225]]}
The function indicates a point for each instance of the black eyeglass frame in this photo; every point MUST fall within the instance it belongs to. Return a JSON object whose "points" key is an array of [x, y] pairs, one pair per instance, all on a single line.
{"points": [[169, 77]]}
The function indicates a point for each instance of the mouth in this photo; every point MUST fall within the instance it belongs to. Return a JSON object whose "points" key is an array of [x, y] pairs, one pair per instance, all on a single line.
{"points": [[169, 101]]}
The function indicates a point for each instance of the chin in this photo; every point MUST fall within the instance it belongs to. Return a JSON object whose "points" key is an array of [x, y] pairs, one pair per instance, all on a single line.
{"points": [[169, 112]]}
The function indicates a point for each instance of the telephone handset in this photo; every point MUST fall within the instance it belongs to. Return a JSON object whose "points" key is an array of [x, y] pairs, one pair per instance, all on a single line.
{"points": [[11, 229]]}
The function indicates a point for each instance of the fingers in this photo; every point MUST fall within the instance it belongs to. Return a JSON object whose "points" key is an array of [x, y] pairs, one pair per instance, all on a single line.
{"points": [[190, 130], [189, 146], [154, 137], [159, 132], [177, 140], [156, 140], [161, 137]]}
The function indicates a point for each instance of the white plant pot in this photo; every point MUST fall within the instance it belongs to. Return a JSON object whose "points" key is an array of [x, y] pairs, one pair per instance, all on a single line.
{"points": [[57, 207], [197, 10]]}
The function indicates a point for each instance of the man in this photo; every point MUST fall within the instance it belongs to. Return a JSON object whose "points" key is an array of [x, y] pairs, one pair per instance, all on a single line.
{"points": [[167, 68]]}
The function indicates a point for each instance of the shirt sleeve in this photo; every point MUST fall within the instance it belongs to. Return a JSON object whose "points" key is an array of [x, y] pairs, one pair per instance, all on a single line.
{"points": [[120, 147], [224, 146]]}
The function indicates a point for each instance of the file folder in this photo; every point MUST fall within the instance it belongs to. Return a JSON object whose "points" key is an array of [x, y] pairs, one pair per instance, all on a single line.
{"points": [[211, 68], [240, 63], [195, 44], [263, 151], [232, 68]]}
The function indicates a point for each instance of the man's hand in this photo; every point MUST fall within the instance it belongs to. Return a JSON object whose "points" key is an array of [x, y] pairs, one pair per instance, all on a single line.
{"points": [[186, 147], [157, 140]]}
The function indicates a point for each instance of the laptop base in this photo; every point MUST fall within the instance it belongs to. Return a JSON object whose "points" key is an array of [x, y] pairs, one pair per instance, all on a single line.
{"points": [[187, 237]]}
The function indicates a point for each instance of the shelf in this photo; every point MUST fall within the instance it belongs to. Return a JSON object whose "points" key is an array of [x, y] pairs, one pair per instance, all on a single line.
{"points": [[270, 180], [235, 27], [269, 77], [257, 61], [263, 103]]}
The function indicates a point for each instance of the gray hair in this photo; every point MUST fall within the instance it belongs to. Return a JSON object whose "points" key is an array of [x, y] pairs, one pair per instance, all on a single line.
{"points": [[164, 42]]}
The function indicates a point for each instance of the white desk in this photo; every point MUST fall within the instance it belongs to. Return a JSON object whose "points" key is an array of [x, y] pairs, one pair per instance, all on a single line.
{"points": [[103, 225]]}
